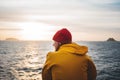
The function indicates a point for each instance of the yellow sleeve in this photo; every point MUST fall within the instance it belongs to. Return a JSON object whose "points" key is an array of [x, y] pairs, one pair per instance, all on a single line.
{"points": [[92, 73], [46, 71]]}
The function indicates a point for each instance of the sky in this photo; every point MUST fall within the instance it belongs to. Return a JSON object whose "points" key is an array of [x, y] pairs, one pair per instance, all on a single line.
{"points": [[87, 20]]}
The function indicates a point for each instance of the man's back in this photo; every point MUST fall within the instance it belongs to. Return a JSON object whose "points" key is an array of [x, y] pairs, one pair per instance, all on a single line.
{"points": [[70, 62]]}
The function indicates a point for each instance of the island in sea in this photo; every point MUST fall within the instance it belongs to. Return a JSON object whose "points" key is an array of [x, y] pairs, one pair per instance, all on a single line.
{"points": [[111, 39], [11, 39]]}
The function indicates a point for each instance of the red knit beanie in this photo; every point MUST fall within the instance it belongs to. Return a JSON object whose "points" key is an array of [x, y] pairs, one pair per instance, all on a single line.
{"points": [[63, 36]]}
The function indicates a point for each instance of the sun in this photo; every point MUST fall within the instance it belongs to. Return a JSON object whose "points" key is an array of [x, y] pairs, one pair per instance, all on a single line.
{"points": [[35, 30]]}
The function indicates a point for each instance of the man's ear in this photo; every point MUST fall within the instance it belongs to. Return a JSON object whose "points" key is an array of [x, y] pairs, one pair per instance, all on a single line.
{"points": [[59, 44]]}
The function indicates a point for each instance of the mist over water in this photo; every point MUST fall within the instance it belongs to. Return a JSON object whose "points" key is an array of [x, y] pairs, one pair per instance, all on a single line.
{"points": [[23, 60]]}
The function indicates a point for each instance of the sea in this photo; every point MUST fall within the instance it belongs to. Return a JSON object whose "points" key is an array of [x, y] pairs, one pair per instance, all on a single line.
{"points": [[23, 60]]}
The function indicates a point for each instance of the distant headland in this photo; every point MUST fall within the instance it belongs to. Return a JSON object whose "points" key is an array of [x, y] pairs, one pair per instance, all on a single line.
{"points": [[111, 39]]}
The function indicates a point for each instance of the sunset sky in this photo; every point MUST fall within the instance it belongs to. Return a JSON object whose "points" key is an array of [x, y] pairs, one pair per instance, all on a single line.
{"points": [[88, 20]]}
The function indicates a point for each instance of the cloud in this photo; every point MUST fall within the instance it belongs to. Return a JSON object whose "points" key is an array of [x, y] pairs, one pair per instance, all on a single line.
{"points": [[88, 13], [55, 6], [106, 4], [9, 29]]}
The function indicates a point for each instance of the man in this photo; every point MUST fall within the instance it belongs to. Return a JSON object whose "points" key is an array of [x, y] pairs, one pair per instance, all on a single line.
{"points": [[69, 61]]}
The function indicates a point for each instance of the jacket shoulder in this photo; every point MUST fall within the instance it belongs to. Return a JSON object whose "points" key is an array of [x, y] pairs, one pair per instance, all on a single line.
{"points": [[51, 54]]}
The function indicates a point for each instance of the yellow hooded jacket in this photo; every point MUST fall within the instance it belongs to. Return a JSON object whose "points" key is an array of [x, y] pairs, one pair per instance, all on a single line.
{"points": [[70, 62]]}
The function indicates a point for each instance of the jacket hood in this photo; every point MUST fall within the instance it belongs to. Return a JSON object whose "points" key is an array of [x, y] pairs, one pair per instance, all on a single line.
{"points": [[74, 48]]}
